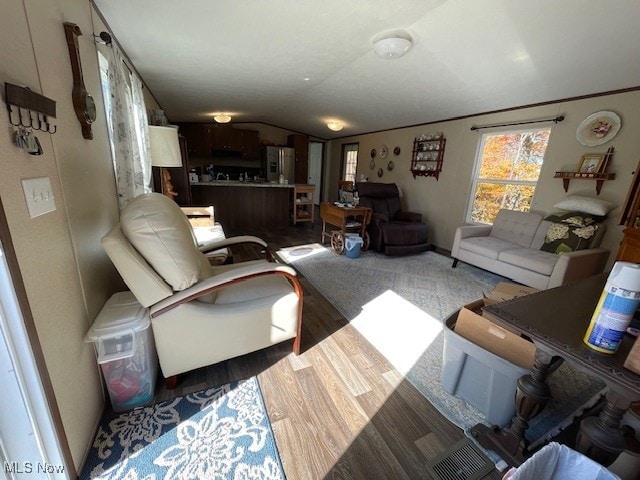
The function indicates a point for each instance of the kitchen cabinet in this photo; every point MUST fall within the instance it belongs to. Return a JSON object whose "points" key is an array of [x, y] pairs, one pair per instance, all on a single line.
{"points": [[206, 140], [198, 138], [300, 143], [249, 145], [225, 138]]}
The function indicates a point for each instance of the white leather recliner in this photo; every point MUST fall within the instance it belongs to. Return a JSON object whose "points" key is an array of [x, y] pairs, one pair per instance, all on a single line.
{"points": [[200, 314]]}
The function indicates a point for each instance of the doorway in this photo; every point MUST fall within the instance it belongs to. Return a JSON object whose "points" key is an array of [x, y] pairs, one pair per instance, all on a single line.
{"points": [[316, 150]]}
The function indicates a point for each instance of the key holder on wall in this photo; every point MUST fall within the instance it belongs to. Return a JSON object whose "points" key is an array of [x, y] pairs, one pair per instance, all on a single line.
{"points": [[32, 110]]}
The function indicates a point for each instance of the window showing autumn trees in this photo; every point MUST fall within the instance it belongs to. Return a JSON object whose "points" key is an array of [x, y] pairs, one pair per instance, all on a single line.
{"points": [[507, 171]]}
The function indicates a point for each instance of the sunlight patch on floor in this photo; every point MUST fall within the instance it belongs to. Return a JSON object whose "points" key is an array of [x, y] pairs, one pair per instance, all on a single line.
{"points": [[293, 254], [397, 328]]}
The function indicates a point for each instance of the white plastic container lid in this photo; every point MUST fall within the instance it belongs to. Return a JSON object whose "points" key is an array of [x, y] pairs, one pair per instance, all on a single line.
{"points": [[121, 314]]}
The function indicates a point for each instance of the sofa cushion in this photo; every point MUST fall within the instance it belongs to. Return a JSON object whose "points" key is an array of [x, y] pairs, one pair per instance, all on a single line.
{"points": [[594, 206], [564, 237], [530, 259], [516, 227], [489, 247]]}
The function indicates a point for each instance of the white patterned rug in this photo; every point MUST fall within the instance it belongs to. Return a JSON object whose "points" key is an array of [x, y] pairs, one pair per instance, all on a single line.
{"points": [[399, 304], [218, 433]]}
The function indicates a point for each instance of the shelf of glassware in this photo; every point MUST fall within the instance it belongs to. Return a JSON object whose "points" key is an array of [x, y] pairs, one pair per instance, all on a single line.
{"points": [[427, 157]]}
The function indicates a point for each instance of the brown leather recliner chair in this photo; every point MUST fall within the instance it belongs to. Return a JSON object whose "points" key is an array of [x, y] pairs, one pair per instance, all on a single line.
{"points": [[392, 230]]}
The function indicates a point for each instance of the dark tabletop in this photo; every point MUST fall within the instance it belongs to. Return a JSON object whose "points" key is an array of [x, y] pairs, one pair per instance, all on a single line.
{"points": [[556, 321]]}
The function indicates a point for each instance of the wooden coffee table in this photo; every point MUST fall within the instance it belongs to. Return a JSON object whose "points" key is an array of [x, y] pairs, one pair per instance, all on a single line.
{"points": [[345, 219]]}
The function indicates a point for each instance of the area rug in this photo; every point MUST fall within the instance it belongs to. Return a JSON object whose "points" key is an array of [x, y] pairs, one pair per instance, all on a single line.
{"points": [[399, 304], [218, 433]]}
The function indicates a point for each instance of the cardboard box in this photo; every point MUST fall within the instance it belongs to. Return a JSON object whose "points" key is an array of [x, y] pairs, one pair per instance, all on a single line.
{"points": [[493, 338], [507, 291]]}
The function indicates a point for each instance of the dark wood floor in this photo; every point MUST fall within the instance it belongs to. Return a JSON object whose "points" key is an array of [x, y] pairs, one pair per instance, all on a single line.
{"points": [[339, 410]]}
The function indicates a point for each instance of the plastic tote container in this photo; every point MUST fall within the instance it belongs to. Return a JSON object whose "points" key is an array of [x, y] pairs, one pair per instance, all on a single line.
{"points": [[483, 379], [352, 245], [126, 351]]}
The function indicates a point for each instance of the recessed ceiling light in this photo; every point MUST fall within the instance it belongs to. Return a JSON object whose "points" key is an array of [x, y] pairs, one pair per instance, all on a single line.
{"points": [[306, 79], [335, 126], [222, 118]]}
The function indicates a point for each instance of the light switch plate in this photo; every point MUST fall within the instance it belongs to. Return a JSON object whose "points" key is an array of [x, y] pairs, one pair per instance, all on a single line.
{"points": [[39, 196]]}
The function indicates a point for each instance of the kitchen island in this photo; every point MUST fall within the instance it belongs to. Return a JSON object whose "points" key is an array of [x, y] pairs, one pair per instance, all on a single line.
{"points": [[243, 205]]}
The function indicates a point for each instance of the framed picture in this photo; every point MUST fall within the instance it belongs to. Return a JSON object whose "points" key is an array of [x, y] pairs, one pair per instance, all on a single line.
{"points": [[591, 163]]}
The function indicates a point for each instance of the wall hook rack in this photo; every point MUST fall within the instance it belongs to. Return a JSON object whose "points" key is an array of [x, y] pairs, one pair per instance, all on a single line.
{"points": [[32, 110]]}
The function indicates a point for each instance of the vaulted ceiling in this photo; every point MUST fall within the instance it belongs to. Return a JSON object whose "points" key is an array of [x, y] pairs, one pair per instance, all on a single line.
{"points": [[298, 64]]}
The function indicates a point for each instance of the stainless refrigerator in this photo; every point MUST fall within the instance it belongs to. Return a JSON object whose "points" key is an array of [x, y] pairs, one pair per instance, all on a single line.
{"points": [[278, 161]]}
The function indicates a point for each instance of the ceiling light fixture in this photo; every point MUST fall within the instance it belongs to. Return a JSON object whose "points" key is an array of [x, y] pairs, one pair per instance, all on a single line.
{"points": [[392, 45], [222, 118], [335, 126]]}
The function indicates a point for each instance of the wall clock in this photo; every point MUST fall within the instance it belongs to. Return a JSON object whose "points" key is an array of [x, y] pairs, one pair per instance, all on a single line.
{"points": [[372, 164], [83, 103], [396, 151], [373, 153], [380, 172], [384, 151]]}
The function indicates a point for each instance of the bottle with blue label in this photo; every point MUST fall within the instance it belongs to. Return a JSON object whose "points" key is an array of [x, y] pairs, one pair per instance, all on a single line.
{"points": [[618, 302]]}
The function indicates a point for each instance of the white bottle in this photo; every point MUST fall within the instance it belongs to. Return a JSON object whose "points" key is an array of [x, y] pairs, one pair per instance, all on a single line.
{"points": [[241, 178], [281, 179], [618, 302]]}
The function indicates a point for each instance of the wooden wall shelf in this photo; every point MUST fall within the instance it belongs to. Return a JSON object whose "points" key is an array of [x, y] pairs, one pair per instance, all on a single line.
{"points": [[598, 177]]}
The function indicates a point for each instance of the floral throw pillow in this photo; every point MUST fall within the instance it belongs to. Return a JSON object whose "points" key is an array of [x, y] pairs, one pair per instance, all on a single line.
{"points": [[565, 237]]}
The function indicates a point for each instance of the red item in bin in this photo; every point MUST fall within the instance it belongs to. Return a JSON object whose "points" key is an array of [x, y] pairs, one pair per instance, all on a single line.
{"points": [[125, 387]]}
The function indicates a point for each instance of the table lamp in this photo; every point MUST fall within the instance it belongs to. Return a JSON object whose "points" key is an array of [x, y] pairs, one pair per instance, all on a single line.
{"points": [[165, 152]]}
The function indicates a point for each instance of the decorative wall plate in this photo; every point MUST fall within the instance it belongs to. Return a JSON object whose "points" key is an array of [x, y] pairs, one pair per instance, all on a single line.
{"points": [[373, 153], [390, 165], [384, 151], [380, 172], [372, 164], [396, 151], [598, 128]]}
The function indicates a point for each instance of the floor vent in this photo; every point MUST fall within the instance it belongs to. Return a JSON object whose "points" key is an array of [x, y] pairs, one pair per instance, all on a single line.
{"points": [[463, 461]]}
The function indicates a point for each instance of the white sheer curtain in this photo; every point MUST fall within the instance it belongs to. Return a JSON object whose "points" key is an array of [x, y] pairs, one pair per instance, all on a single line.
{"points": [[128, 128]]}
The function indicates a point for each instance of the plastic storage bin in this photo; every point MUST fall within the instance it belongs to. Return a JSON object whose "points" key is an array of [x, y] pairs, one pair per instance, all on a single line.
{"points": [[352, 245], [126, 351], [483, 379]]}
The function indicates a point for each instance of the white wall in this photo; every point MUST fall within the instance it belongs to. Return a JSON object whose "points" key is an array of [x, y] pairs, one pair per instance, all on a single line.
{"points": [[444, 203], [66, 273]]}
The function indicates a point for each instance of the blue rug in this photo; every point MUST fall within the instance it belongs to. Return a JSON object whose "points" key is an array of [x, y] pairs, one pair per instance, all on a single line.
{"points": [[399, 304], [218, 433]]}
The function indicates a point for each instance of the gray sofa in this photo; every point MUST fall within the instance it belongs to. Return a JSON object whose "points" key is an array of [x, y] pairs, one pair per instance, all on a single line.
{"points": [[511, 248]]}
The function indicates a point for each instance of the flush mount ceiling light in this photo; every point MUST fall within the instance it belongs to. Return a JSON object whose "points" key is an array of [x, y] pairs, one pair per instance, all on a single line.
{"points": [[335, 126], [222, 118], [392, 45]]}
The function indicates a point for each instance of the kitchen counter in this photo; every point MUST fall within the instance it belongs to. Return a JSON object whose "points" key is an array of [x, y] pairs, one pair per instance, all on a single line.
{"points": [[237, 183], [241, 206]]}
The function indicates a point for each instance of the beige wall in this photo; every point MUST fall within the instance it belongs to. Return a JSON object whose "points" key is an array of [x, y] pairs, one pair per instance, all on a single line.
{"points": [[66, 273], [444, 203]]}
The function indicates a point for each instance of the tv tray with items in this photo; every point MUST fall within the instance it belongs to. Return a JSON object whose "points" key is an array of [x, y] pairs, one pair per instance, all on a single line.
{"points": [[346, 219]]}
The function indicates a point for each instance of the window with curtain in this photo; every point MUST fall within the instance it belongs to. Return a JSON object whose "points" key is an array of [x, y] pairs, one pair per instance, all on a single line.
{"points": [[127, 123], [507, 169], [349, 162]]}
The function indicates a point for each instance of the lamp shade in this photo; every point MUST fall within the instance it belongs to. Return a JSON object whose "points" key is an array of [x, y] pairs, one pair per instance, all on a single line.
{"points": [[335, 126], [165, 148]]}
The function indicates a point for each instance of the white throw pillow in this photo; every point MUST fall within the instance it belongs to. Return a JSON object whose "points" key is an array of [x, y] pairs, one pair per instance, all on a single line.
{"points": [[591, 205]]}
